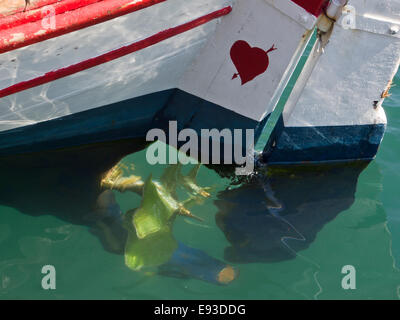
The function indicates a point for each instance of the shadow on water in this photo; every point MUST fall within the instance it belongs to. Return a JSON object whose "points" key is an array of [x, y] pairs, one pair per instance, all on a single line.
{"points": [[63, 183], [280, 213], [68, 184], [267, 219]]}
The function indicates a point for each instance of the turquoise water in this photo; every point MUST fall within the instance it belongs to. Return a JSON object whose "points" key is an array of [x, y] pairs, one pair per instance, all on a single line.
{"points": [[288, 234]]}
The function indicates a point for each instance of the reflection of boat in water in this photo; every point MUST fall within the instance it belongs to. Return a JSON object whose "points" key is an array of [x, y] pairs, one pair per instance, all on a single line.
{"points": [[273, 217], [75, 73], [64, 183], [79, 188]]}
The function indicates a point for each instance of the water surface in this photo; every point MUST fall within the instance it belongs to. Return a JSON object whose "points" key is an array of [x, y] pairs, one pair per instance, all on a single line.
{"points": [[288, 233]]}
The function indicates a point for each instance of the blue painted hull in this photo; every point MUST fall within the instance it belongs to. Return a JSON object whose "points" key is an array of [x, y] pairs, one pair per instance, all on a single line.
{"points": [[135, 117], [324, 144]]}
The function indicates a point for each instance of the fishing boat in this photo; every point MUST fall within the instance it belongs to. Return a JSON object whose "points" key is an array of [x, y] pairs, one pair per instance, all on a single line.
{"points": [[80, 72]]}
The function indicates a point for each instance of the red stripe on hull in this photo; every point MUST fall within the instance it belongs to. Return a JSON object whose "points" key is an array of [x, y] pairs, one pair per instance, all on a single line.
{"points": [[31, 32], [22, 17], [17, 6], [112, 55], [312, 6]]}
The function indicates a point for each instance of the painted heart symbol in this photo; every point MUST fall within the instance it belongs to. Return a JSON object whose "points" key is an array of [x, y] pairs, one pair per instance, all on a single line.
{"points": [[249, 62]]}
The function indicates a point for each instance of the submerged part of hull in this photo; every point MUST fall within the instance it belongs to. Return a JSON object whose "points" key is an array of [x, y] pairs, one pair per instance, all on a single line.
{"points": [[278, 215]]}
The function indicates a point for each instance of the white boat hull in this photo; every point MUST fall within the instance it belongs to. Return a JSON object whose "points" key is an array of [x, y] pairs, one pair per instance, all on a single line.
{"points": [[194, 64]]}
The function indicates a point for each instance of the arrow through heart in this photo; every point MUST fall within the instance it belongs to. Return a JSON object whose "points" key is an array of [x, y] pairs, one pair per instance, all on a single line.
{"points": [[250, 62]]}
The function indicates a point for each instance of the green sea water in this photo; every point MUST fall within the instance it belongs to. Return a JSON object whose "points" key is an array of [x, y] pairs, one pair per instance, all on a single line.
{"points": [[288, 234]]}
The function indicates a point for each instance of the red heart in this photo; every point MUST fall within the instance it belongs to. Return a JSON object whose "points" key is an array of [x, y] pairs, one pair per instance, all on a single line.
{"points": [[249, 62]]}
